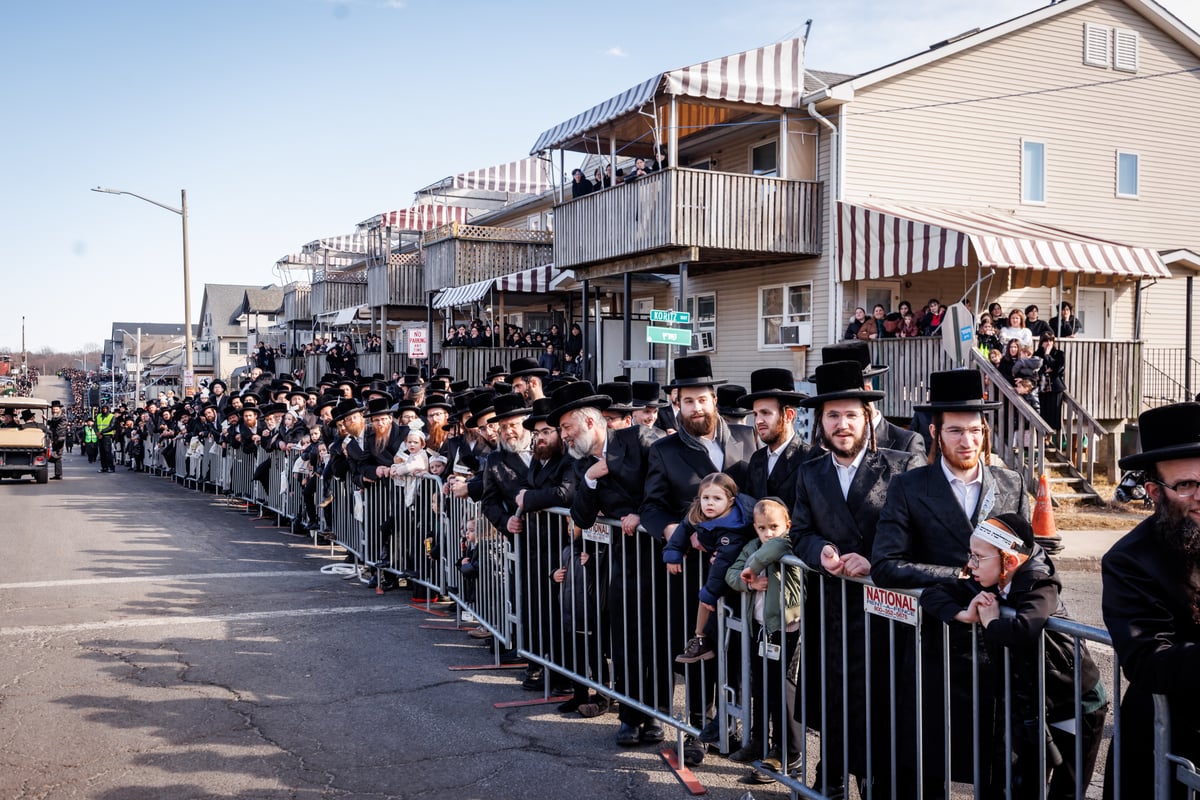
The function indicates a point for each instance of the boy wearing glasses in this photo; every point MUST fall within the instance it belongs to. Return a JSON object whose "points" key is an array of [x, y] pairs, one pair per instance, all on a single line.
{"points": [[1151, 600]]}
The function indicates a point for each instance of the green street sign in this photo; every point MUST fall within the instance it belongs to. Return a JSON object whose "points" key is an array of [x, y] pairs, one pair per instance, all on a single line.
{"points": [[680, 337], [675, 317]]}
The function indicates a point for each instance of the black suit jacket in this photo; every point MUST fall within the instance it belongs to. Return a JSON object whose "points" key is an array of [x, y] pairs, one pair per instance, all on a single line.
{"points": [[619, 492], [675, 469], [781, 482], [923, 537], [551, 485], [504, 474], [893, 437]]}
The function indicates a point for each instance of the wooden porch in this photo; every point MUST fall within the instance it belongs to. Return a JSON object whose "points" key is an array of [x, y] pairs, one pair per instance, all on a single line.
{"points": [[731, 217], [400, 282], [458, 254], [336, 291]]}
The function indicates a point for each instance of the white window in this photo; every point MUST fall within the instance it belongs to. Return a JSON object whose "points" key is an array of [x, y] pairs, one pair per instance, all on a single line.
{"points": [[703, 310], [1125, 50], [1096, 45], [237, 348], [1033, 171], [764, 159], [786, 315], [1127, 174], [535, 222]]}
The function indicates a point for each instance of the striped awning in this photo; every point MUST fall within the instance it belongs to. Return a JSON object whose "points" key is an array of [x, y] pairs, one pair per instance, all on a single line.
{"points": [[418, 218], [886, 241], [535, 280], [313, 260], [527, 176], [352, 244], [770, 76]]}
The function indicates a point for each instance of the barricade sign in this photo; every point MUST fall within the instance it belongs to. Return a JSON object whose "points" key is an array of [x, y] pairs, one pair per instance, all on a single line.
{"points": [[599, 533], [890, 605]]}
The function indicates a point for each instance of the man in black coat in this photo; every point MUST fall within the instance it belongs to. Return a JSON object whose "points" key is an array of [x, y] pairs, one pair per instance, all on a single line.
{"points": [[773, 398], [1151, 603], [610, 478], [923, 539], [704, 444], [839, 497], [888, 436]]}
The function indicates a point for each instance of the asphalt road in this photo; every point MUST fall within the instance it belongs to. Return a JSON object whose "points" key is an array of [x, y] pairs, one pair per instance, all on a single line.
{"points": [[158, 643]]}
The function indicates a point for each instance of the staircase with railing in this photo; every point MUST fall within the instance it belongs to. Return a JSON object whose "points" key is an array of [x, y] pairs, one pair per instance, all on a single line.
{"points": [[1029, 445], [1164, 375]]}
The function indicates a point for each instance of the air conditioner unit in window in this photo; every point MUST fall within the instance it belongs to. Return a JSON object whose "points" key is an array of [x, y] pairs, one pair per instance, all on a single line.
{"points": [[705, 340], [795, 334]]}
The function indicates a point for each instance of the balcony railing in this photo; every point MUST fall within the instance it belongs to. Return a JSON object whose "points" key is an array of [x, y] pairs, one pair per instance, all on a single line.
{"points": [[396, 285], [330, 295], [468, 253], [722, 211]]}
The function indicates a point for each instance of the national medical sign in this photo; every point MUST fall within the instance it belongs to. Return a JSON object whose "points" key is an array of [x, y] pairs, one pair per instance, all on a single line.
{"points": [[890, 605]]}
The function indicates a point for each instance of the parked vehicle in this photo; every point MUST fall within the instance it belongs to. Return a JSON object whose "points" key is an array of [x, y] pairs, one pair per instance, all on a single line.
{"points": [[25, 449]]}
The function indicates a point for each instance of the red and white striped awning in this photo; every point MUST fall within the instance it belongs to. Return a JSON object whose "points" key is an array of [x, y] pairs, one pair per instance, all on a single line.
{"points": [[352, 244], [419, 218], [527, 176], [535, 280], [886, 241]]}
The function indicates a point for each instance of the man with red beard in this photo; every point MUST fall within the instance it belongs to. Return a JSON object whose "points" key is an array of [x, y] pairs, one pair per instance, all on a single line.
{"points": [[923, 539], [704, 444], [437, 413], [1151, 604]]}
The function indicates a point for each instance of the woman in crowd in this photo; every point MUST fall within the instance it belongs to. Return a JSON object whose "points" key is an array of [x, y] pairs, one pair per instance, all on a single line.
{"points": [[1015, 329], [1066, 325], [1051, 380], [860, 317]]}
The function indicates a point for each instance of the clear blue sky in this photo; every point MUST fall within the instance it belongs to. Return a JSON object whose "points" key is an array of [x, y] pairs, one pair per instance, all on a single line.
{"points": [[290, 120]]}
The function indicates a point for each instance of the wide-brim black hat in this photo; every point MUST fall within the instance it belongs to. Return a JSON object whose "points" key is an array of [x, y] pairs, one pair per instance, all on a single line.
{"points": [[840, 380], [400, 408], [580, 394], [1167, 433], [647, 394], [526, 368], [538, 412], [621, 394], [693, 371], [56, 404], [727, 400], [495, 371], [482, 403], [267, 409], [956, 390], [772, 382], [378, 406], [379, 388], [854, 350], [510, 405], [438, 401], [345, 408]]}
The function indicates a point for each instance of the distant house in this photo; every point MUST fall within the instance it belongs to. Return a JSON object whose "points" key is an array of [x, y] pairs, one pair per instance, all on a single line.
{"points": [[160, 350], [229, 315]]}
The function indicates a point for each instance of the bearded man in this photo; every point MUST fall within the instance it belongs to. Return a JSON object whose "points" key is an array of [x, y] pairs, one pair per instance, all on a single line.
{"points": [[923, 539], [773, 398], [1151, 603], [437, 414]]}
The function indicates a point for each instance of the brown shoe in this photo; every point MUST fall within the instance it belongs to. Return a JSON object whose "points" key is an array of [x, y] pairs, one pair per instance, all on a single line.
{"points": [[479, 633], [599, 706]]}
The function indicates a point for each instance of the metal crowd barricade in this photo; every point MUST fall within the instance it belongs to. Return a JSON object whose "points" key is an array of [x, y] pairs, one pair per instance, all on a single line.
{"points": [[417, 547], [879, 699], [180, 449], [1173, 773], [631, 613], [241, 479], [484, 588]]}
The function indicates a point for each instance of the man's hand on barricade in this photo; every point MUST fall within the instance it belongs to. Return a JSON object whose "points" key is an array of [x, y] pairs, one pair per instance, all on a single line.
{"points": [[383, 472], [831, 560], [521, 500], [458, 489], [856, 565], [515, 524], [630, 523], [674, 569], [559, 575], [597, 471]]}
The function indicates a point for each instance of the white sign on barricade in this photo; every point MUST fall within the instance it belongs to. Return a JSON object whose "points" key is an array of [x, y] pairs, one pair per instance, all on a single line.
{"points": [[599, 533], [890, 605]]}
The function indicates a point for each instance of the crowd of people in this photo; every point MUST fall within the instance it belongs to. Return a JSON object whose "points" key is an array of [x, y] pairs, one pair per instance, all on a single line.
{"points": [[561, 353], [603, 178]]}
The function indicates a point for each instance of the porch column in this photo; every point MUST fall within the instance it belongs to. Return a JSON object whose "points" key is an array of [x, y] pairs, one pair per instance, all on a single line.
{"points": [[781, 168], [584, 328], [681, 301], [1187, 348], [627, 311], [673, 135]]}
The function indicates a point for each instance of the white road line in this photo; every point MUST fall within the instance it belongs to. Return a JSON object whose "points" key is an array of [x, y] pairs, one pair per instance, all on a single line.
{"points": [[193, 576], [151, 622]]}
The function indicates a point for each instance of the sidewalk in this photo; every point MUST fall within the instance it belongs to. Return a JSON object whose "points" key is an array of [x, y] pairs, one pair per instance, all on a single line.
{"points": [[1087, 545]]}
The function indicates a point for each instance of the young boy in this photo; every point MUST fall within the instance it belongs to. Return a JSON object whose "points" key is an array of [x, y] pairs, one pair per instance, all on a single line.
{"points": [[1008, 568]]}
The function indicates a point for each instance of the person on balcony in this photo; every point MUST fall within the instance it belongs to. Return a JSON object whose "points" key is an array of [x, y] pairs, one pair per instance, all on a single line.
{"points": [[1051, 380], [660, 160], [1015, 329], [986, 338], [1066, 325], [873, 327], [573, 350], [931, 321], [1036, 326], [860, 318], [908, 326], [580, 185], [548, 360]]}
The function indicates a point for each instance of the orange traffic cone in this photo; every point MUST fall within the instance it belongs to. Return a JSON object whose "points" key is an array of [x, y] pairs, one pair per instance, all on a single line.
{"points": [[1043, 519]]}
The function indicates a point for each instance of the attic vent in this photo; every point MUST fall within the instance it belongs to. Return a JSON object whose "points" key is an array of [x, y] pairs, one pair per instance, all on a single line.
{"points": [[954, 39], [1095, 45], [1125, 50]]}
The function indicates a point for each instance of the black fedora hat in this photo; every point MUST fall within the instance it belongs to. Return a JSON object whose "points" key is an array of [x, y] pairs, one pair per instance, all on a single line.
{"points": [[727, 400], [267, 409], [956, 390], [56, 404], [330, 379], [443, 372], [621, 394], [378, 407], [1167, 433], [482, 403], [510, 405], [579, 394], [438, 401], [693, 371], [459, 386], [772, 382], [855, 350], [344, 409], [495, 371], [646, 394], [378, 388], [538, 412], [840, 380], [526, 368]]}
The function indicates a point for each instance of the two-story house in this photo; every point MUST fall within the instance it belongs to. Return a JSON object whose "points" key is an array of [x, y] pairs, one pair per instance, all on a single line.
{"points": [[230, 315]]}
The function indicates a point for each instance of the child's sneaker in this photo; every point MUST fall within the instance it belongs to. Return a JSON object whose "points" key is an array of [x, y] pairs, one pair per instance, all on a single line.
{"points": [[698, 649]]}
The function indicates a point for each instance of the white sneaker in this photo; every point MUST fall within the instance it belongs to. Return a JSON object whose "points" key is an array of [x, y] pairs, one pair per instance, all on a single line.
{"points": [[469, 618]]}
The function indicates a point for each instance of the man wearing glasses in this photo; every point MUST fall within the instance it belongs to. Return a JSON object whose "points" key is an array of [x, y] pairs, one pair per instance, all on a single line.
{"points": [[1151, 600], [923, 539]]}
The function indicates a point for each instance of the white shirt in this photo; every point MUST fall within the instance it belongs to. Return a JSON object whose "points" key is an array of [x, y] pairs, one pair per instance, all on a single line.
{"points": [[590, 482], [773, 455], [846, 474], [966, 492], [715, 453]]}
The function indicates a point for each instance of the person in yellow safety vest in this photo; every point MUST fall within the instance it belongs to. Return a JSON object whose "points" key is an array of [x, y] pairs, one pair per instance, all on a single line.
{"points": [[90, 440], [106, 428]]}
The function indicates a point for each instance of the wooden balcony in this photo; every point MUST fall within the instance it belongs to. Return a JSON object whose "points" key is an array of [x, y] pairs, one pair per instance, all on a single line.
{"points": [[730, 217], [399, 283], [296, 304], [459, 254], [337, 291]]}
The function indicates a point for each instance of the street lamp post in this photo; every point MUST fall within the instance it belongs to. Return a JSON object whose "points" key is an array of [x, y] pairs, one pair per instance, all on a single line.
{"points": [[189, 375]]}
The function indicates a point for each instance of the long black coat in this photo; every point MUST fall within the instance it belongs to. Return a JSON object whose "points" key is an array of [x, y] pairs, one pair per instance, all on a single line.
{"points": [[504, 474], [781, 482], [822, 516], [893, 437], [1150, 606], [619, 492]]}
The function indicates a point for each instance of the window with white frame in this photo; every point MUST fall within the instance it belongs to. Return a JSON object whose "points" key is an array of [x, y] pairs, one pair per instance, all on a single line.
{"points": [[703, 311], [1127, 174], [237, 348], [764, 158], [1033, 171], [786, 315]]}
